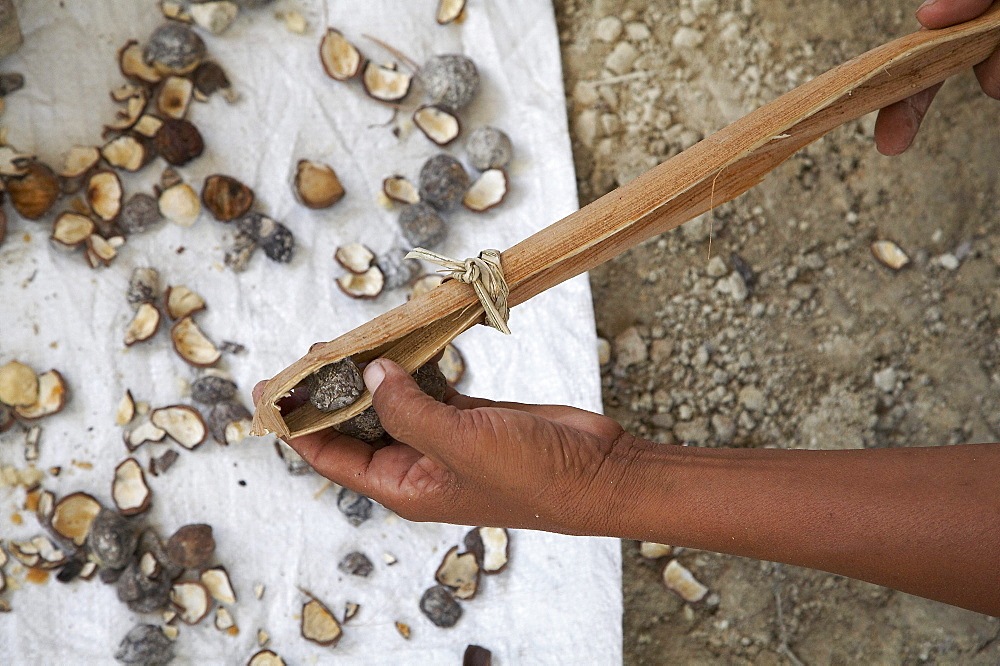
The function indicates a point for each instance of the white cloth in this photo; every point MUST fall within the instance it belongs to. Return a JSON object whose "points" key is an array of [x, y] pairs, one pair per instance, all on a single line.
{"points": [[560, 599]]}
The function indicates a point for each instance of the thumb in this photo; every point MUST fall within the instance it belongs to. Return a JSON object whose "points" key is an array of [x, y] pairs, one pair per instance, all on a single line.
{"points": [[411, 416]]}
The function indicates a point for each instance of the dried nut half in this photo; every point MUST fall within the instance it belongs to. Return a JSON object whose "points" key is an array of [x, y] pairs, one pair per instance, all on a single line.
{"points": [[385, 83], [182, 302], [147, 126], [226, 198], [229, 422], [142, 433], [192, 546], [437, 124], [216, 581], [143, 326], [425, 283], [440, 607], [104, 194], [400, 189], [403, 629], [191, 600], [452, 365], [489, 191], [102, 251], [174, 96], [72, 229], [125, 152], [274, 238], [80, 160], [143, 286], [126, 409], [491, 546], [356, 507], [459, 572], [355, 257], [177, 140], [134, 99], [350, 610], [341, 60], [890, 254], [319, 625], [216, 16], [679, 579], [182, 423], [133, 66], [14, 163], [192, 345], [18, 384], [210, 77], [317, 185], [365, 285], [34, 193], [129, 490], [180, 204], [51, 397], [654, 551], [72, 516], [224, 621], [449, 10], [266, 658]]}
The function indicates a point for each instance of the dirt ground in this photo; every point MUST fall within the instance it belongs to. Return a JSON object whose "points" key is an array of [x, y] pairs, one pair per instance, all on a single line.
{"points": [[811, 342]]}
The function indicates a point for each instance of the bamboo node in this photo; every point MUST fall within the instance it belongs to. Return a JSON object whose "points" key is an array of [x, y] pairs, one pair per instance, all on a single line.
{"points": [[484, 273]]}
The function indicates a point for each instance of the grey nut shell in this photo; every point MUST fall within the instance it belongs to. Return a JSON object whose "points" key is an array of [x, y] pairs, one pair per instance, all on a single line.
{"points": [[111, 539], [421, 225], [440, 607], [212, 389], [489, 148], [274, 238], [147, 645], [139, 213], [356, 507], [451, 80], [443, 182], [174, 48], [335, 385]]}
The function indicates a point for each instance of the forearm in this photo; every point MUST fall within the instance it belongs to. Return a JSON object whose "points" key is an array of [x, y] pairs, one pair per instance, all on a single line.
{"points": [[921, 520]]}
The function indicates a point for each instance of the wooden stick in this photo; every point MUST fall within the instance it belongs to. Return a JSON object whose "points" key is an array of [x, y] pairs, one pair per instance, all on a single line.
{"points": [[713, 171]]}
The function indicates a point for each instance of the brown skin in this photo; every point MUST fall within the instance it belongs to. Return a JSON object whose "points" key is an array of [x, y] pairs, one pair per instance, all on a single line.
{"points": [[922, 520], [898, 123]]}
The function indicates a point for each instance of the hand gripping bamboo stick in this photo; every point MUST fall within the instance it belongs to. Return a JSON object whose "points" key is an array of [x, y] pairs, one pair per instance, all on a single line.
{"points": [[715, 170]]}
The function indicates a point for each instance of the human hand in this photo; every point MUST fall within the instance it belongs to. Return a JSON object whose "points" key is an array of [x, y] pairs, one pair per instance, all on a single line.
{"points": [[477, 462], [897, 124]]}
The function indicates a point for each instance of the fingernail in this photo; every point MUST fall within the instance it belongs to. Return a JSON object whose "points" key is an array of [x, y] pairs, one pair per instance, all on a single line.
{"points": [[374, 374], [925, 5]]}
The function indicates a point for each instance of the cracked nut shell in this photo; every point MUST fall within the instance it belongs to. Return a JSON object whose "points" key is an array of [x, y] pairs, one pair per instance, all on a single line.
{"points": [[443, 182], [421, 225]]}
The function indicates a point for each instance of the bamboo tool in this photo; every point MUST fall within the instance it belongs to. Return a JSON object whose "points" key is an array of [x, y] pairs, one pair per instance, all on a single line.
{"points": [[716, 170]]}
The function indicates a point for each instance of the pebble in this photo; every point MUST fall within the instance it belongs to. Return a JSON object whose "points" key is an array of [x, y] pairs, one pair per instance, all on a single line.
{"points": [[622, 58], [947, 261], [608, 29], [585, 93], [733, 285], [885, 380], [703, 6], [630, 348], [725, 428], [752, 398], [661, 350], [603, 351], [637, 31], [694, 431], [716, 267], [687, 38], [587, 127]]}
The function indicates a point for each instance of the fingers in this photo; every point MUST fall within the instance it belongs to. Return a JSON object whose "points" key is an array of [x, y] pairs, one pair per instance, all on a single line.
{"points": [[942, 13], [258, 390], [340, 458], [897, 124], [988, 73], [409, 415]]}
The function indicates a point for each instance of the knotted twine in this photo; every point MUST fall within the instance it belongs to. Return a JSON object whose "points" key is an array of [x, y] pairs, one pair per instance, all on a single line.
{"points": [[484, 273]]}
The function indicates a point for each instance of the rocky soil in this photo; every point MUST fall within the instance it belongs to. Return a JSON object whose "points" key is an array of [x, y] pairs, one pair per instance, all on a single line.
{"points": [[769, 322]]}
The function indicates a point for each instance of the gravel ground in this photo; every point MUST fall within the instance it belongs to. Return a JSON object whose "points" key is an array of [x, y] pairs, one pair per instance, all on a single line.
{"points": [[791, 334]]}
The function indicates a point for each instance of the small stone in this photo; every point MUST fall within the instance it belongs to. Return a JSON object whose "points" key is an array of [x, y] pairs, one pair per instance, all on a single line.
{"points": [[685, 412], [733, 285], [947, 261], [586, 126], [752, 398], [489, 148], [603, 351], [450, 80], [661, 350], [585, 93], [622, 58], [630, 348], [139, 213], [725, 428], [356, 507], [687, 38], [147, 645], [421, 225], [637, 31], [609, 29], [694, 431], [716, 267], [356, 564], [443, 182], [885, 380]]}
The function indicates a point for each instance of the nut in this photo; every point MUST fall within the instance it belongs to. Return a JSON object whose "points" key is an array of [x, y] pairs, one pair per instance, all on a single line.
{"points": [[104, 195], [677, 578], [274, 238], [145, 644], [365, 285], [192, 546], [129, 491], [241, 250], [73, 515], [335, 385], [397, 270], [191, 600], [173, 97], [440, 607], [51, 397], [72, 229], [319, 625], [174, 48], [385, 83], [216, 17], [654, 551], [210, 77], [182, 423], [476, 655], [356, 564], [266, 658], [180, 204], [365, 426], [460, 572], [890, 254], [317, 185], [443, 182], [216, 581], [144, 324], [400, 189], [489, 191], [421, 225], [192, 345], [111, 540], [229, 422], [341, 60], [212, 388], [226, 198], [132, 65], [355, 257], [491, 546], [449, 10], [489, 148], [18, 384], [80, 160], [178, 141], [452, 365], [403, 629], [182, 302], [450, 80], [126, 152], [356, 507], [34, 193], [140, 213], [143, 286], [142, 433]]}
